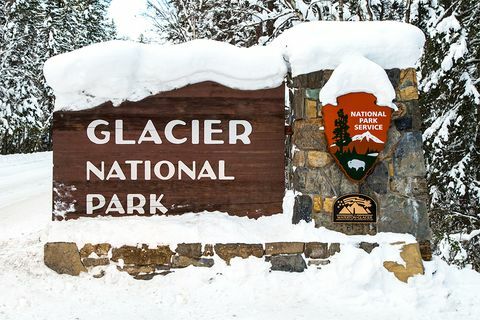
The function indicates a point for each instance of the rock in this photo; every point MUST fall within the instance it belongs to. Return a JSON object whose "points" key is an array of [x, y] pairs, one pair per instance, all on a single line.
{"points": [[333, 248], [100, 249], [393, 137], [300, 179], [318, 159], [208, 250], [393, 76], [377, 181], [410, 186], [317, 203], [99, 275], [310, 108], [298, 158], [315, 182], [407, 88], [401, 110], [242, 250], [143, 256], [328, 204], [408, 158], [407, 94], [63, 258], [327, 181], [93, 262], [353, 228], [136, 270], [323, 219], [87, 250], [318, 262], [276, 248], [150, 276], [335, 182], [183, 261], [302, 209], [316, 250], [191, 250], [367, 246], [289, 263], [313, 94], [404, 123], [413, 110], [404, 215], [425, 250], [309, 135], [316, 79], [413, 263], [298, 103]]}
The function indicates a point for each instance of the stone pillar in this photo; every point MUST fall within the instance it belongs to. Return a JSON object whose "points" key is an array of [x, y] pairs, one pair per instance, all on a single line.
{"points": [[397, 183]]}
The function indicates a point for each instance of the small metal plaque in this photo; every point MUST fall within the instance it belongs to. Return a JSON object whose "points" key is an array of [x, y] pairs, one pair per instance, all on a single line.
{"points": [[355, 208]]}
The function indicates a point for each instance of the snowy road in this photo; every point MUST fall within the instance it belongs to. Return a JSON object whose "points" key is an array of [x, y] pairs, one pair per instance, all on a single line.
{"points": [[25, 193], [353, 286]]}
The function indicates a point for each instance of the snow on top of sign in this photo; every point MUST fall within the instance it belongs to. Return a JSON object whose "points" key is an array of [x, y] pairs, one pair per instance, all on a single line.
{"points": [[358, 74], [321, 45], [123, 70], [120, 70]]}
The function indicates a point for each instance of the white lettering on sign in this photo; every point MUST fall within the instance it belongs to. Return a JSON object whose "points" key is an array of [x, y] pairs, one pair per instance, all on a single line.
{"points": [[175, 132], [238, 130], [162, 170], [368, 120], [135, 203]]}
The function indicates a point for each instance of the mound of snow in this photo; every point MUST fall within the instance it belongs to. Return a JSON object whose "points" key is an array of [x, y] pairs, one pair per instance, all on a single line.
{"points": [[321, 45], [358, 74], [123, 70], [120, 70]]}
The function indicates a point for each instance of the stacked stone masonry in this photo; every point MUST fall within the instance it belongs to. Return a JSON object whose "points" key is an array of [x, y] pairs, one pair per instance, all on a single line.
{"points": [[144, 262], [397, 183]]}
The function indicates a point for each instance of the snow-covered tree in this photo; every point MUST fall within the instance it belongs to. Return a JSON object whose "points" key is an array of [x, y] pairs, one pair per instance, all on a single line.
{"points": [[451, 106], [32, 31], [21, 108], [183, 20]]}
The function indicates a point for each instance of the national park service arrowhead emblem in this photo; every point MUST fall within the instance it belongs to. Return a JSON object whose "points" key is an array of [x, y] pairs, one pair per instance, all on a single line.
{"points": [[355, 208], [356, 131]]}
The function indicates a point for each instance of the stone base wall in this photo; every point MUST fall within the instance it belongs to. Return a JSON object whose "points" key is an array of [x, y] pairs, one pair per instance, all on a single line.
{"points": [[397, 183], [144, 263]]}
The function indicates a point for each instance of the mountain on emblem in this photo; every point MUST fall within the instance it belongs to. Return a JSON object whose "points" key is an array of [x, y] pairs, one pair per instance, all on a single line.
{"points": [[357, 208], [367, 136], [356, 132]]}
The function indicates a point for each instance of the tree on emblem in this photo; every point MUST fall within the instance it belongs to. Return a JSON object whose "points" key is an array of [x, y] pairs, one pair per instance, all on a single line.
{"points": [[341, 136]]}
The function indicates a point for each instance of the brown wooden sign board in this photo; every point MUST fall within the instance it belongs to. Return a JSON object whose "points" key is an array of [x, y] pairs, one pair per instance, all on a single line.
{"points": [[204, 147]]}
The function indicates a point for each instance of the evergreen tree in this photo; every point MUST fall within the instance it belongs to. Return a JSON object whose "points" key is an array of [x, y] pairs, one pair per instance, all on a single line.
{"points": [[32, 31], [21, 109], [450, 103], [341, 136]]}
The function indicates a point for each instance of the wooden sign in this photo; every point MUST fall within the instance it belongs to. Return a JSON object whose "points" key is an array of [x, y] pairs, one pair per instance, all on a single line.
{"points": [[201, 147], [355, 208], [356, 131]]}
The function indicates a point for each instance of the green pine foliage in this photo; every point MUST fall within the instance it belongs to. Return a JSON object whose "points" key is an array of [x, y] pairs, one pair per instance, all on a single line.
{"points": [[341, 136], [32, 31]]}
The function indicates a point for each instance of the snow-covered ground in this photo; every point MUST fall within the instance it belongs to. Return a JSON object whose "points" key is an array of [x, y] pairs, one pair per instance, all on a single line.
{"points": [[353, 286]]}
